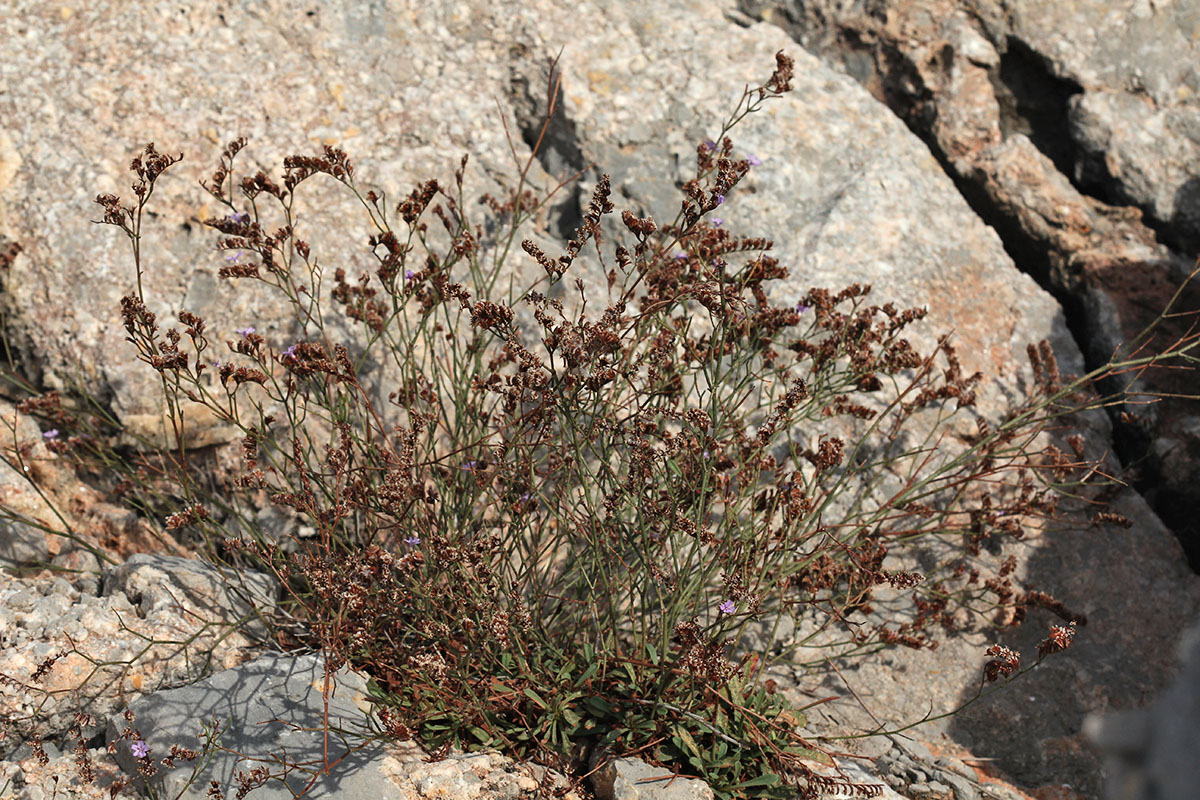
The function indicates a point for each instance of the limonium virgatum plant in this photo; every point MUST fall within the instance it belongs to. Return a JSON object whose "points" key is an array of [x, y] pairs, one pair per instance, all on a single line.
{"points": [[548, 530]]}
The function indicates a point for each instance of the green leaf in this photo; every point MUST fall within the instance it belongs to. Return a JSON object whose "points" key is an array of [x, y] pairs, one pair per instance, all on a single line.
{"points": [[532, 695], [598, 706], [766, 779], [811, 755], [588, 673], [684, 741]]}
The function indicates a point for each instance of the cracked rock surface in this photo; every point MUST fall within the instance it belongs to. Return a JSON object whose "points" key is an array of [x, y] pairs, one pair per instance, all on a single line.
{"points": [[1070, 128]]}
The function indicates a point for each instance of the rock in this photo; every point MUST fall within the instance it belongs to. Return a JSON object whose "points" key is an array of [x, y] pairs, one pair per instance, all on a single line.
{"points": [[1049, 131], [836, 156], [157, 583], [850, 194], [991, 91], [1151, 753], [275, 707], [634, 779], [25, 778], [962, 788], [768, 635], [475, 776], [83, 567], [272, 705], [31, 525], [99, 652]]}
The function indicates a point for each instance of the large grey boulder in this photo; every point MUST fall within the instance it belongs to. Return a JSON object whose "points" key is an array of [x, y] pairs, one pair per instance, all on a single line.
{"points": [[846, 191], [1071, 128], [282, 710], [1152, 753], [221, 597], [272, 707]]}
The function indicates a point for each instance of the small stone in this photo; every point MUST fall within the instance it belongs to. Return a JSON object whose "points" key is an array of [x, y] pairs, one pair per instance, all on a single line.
{"points": [[939, 789], [62, 586], [914, 749], [22, 601], [963, 789]]}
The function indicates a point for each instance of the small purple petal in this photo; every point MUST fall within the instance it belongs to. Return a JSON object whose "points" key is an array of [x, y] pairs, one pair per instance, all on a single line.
{"points": [[680, 256], [716, 221], [140, 749], [246, 331], [720, 199], [801, 308], [728, 607], [709, 144], [51, 434], [753, 160], [413, 540], [409, 274]]}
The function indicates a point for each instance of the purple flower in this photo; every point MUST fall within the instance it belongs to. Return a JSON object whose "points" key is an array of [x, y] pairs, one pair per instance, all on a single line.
{"points": [[728, 607], [139, 749], [709, 144], [234, 256], [680, 256], [707, 455], [716, 221], [409, 274], [240, 218], [469, 465], [526, 497], [720, 199], [413, 540], [801, 308], [753, 160], [249, 329], [289, 353], [51, 434]]}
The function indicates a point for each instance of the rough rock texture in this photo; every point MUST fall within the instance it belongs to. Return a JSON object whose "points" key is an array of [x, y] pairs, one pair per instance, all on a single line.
{"points": [[1151, 753], [1053, 117], [836, 157], [1122, 74], [847, 192], [109, 651], [157, 583], [273, 712], [49, 516], [634, 779], [25, 777], [272, 705], [31, 523], [1123, 580]]}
